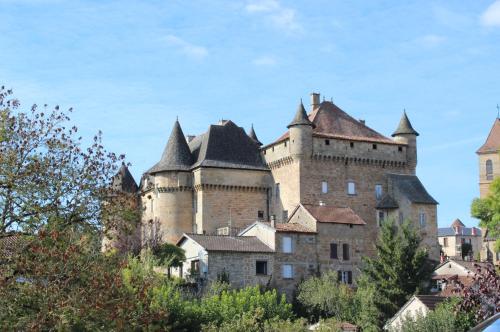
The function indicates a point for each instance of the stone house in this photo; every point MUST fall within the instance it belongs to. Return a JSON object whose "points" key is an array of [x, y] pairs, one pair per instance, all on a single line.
{"points": [[451, 239]]}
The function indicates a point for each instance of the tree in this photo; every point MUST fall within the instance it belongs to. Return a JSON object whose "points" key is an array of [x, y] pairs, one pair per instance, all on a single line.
{"points": [[169, 255], [46, 174], [487, 210], [400, 269]]}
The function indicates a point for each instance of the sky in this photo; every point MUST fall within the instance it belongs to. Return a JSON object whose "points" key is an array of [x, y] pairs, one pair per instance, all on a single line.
{"points": [[129, 68]]}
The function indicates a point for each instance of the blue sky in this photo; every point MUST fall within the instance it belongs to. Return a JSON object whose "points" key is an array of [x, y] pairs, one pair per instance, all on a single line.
{"points": [[130, 67]]}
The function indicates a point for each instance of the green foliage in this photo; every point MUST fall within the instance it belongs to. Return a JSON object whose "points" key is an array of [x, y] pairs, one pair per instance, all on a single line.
{"points": [[487, 210], [444, 318], [400, 269], [324, 297], [169, 255], [367, 314]]}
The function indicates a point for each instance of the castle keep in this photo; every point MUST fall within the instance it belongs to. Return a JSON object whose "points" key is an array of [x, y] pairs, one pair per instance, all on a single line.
{"points": [[315, 197]]}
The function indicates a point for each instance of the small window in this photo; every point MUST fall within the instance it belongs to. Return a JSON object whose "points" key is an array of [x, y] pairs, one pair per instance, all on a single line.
{"points": [[344, 277], [333, 251], [285, 144], [423, 219], [445, 242], [400, 148], [351, 188], [261, 267], [374, 146], [327, 142], [287, 244], [272, 149], [277, 190], [324, 187], [351, 144], [489, 169], [285, 215], [287, 271], [260, 215], [380, 217], [195, 267], [378, 191], [345, 252]]}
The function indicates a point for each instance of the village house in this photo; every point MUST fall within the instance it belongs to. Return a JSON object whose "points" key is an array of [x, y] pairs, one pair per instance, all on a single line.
{"points": [[454, 237]]}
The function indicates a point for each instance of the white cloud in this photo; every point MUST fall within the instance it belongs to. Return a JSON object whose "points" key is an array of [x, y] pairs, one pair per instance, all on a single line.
{"points": [[282, 17], [491, 17], [430, 40], [191, 50], [265, 61]]}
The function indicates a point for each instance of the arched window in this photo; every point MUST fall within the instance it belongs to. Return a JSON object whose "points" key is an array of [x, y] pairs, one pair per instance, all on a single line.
{"points": [[489, 169]]}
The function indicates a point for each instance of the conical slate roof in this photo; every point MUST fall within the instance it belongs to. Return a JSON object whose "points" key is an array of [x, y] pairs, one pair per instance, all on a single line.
{"points": [[405, 127], [177, 155], [301, 117], [253, 136], [124, 181]]}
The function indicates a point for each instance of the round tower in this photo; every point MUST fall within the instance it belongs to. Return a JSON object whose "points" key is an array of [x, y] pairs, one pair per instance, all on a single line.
{"points": [[301, 129], [407, 135], [168, 203]]}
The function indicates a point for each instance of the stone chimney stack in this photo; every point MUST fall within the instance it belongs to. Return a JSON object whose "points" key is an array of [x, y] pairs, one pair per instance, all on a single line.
{"points": [[315, 100]]}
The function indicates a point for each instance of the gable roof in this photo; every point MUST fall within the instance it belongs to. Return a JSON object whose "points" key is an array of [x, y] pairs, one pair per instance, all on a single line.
{"points": [[404, 127], [492, 143], [226, 145], [430, 301], [332, 214], [330, 121], [227, 243], [457, 223], [176, 155], [124, 181], [411, 187]]}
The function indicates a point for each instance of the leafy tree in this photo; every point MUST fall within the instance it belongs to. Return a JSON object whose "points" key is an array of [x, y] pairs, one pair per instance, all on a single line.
{"points": [[169, 255], [487, 210], [399, 270], [46, 174]]}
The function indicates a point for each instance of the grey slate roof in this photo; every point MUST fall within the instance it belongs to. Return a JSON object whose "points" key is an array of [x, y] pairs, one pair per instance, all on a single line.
{"points": [[226, 145], [176, 155], [387, 203], [124, 181], [405, 127], [253, 136], [411, 187], [301, 117], [227, 243], [450, 231]]}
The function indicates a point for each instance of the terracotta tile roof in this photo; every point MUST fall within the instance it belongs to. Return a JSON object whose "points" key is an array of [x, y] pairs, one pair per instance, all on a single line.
{"points": [[492, 143], [290, 228], [332, 214], [455, 284], [430, 301], [10, 243], [228, 243], [332, 122]]}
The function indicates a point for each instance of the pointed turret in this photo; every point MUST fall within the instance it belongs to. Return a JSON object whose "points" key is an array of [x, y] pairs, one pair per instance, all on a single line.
{"points": [[253, 136], [301, 118], [177, 155], [405, 127], [124, 181]]}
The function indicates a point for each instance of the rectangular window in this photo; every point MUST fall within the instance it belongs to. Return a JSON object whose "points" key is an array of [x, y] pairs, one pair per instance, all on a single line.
{"points": [[352, 145], [260, 215], [324, 187], [287, 271], [374, 146], [333, 251], [380, 217], [423, 219], [261, 267], [378, 191], [345, 252], [327, 142], [351, 188], [445, 242], [285, 215], [277, 191], [287, 244], [195, 267], [400, 148], [346, 277]]}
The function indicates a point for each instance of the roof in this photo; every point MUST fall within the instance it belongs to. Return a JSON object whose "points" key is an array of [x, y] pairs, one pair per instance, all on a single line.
{"points": [[411, 187], [10, 243], [124, 181], [457, 223], [387, 203], [492, 143], [468, 265], [332, 214], [332, 122], [253, 136], [289, 227], [404, 127], [226, 145], [450, 231], [227, 243], [176, 155], [430, 301], [300, 117]]}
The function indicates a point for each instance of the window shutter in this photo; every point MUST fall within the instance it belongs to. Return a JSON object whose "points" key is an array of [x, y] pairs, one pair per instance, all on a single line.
{"points": [[349, 277], [333, 251], [345, 251]]}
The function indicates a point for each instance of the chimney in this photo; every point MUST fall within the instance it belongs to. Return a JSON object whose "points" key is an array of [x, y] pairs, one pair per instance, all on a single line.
{"points": [[474, 233], [362, 121], [315, 100], [189, 138], [273, 221]]}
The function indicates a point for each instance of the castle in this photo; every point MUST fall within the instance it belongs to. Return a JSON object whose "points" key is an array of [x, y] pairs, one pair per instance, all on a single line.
{"points": [[328, 182]]}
